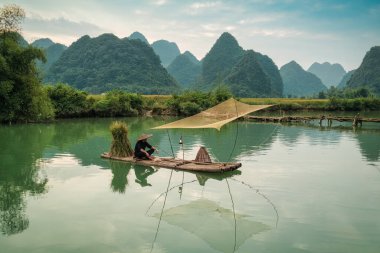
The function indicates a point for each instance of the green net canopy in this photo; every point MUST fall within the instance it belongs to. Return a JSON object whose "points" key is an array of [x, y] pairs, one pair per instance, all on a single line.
{"points": [[215, 117]]}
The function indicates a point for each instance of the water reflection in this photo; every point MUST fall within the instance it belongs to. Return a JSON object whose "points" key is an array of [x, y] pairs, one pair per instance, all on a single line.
{"points": [[19, 173], [120, 171], [142, 173], [369, 144], [367, 137], [23, 146], [200, 216], [249, 137]]}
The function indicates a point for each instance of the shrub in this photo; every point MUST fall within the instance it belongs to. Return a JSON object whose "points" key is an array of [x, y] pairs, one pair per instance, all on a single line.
{"points": [[118, 103], [68, 101]]}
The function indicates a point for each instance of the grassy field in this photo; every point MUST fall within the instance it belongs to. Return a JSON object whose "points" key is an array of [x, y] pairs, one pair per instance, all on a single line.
{"points": [[282, 103], [275, 101]]}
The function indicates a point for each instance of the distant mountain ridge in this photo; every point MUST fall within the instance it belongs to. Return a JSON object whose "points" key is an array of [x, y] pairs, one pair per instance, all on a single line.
{"points": [[52, 52], [345, 79], [185, 68], [247, 78], [330, 74], [106, 62], [218, 62], [42, 43], [368, 74], [298, 82], [224, 63], [166, 50], [138, 36]]}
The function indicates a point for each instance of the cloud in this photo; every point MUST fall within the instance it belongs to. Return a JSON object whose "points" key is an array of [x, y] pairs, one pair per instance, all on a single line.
{"points": [[279, 33], [36, 27], [204, 5], [140, 12], [160, 2], [200, 7], [261, 19], [374, 11], [293, 33]]}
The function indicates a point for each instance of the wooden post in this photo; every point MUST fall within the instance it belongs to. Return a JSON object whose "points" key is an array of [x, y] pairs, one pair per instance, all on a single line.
{"points": [[320, 121], [355, 121]]}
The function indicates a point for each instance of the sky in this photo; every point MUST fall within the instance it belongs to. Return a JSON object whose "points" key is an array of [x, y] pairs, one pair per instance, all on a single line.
{"points": [[306, 31]]}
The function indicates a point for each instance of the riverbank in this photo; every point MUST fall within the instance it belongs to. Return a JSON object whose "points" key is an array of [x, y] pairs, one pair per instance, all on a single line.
{"points": [[162, 104], [68, 102]]}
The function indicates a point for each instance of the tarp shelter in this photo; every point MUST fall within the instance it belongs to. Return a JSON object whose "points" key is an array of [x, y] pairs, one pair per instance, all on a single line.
{"points": [[215, 117]]}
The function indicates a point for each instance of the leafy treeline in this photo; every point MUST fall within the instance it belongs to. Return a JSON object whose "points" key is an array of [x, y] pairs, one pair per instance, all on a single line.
{"points": [[230, 64], [70, 102], [347, 92], [192, 102], [331, 104], [104, 63]]}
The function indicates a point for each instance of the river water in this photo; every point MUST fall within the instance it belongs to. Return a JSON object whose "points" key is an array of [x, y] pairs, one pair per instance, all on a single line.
{"points": [[301, 188]]}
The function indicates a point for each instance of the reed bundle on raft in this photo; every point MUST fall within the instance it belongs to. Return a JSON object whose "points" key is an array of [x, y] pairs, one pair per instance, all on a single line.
{"points": [[120, 147]]}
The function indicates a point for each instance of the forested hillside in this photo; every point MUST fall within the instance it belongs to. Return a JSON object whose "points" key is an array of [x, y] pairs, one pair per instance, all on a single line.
{"points": [[298, 82], [368, 74], [185, 69], [107, 62], [225, 63]]}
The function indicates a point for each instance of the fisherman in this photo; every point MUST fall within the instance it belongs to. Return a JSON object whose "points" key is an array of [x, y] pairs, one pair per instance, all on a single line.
{"points": [[141, 145]]}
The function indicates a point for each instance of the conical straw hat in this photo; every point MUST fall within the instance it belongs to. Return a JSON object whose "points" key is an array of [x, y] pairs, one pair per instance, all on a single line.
{"points": [[144, 136]]}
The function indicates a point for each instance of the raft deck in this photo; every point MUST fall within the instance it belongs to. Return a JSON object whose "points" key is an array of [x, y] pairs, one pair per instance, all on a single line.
{"points": [[178, 164]]}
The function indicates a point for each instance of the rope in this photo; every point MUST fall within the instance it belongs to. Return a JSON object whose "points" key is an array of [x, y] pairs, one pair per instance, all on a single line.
{"points": [[181, 187], [163, 150], [270, 135], [162, 193], [162, 211], [236, 135], [262, 195], [233, 209], [170, 141]]}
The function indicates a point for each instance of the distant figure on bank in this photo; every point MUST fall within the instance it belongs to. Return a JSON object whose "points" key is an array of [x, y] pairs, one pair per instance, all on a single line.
{"points": [[141, 145]]}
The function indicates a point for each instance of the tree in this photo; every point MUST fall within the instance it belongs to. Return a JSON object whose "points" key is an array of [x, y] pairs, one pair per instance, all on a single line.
{"points": [[67, 101], [22, 97], [10, 18]]}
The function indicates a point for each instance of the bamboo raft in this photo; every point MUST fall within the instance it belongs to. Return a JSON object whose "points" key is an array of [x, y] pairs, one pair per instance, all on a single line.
{"points": [[178, 164], [356, 120]]}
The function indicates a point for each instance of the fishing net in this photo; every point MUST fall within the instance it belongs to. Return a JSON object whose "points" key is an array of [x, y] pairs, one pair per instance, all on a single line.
{"points": [[213, 224], [215, 117]]}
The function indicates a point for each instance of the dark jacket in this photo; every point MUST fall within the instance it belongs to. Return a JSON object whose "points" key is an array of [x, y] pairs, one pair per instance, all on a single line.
{"points": [[141, 145]]}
